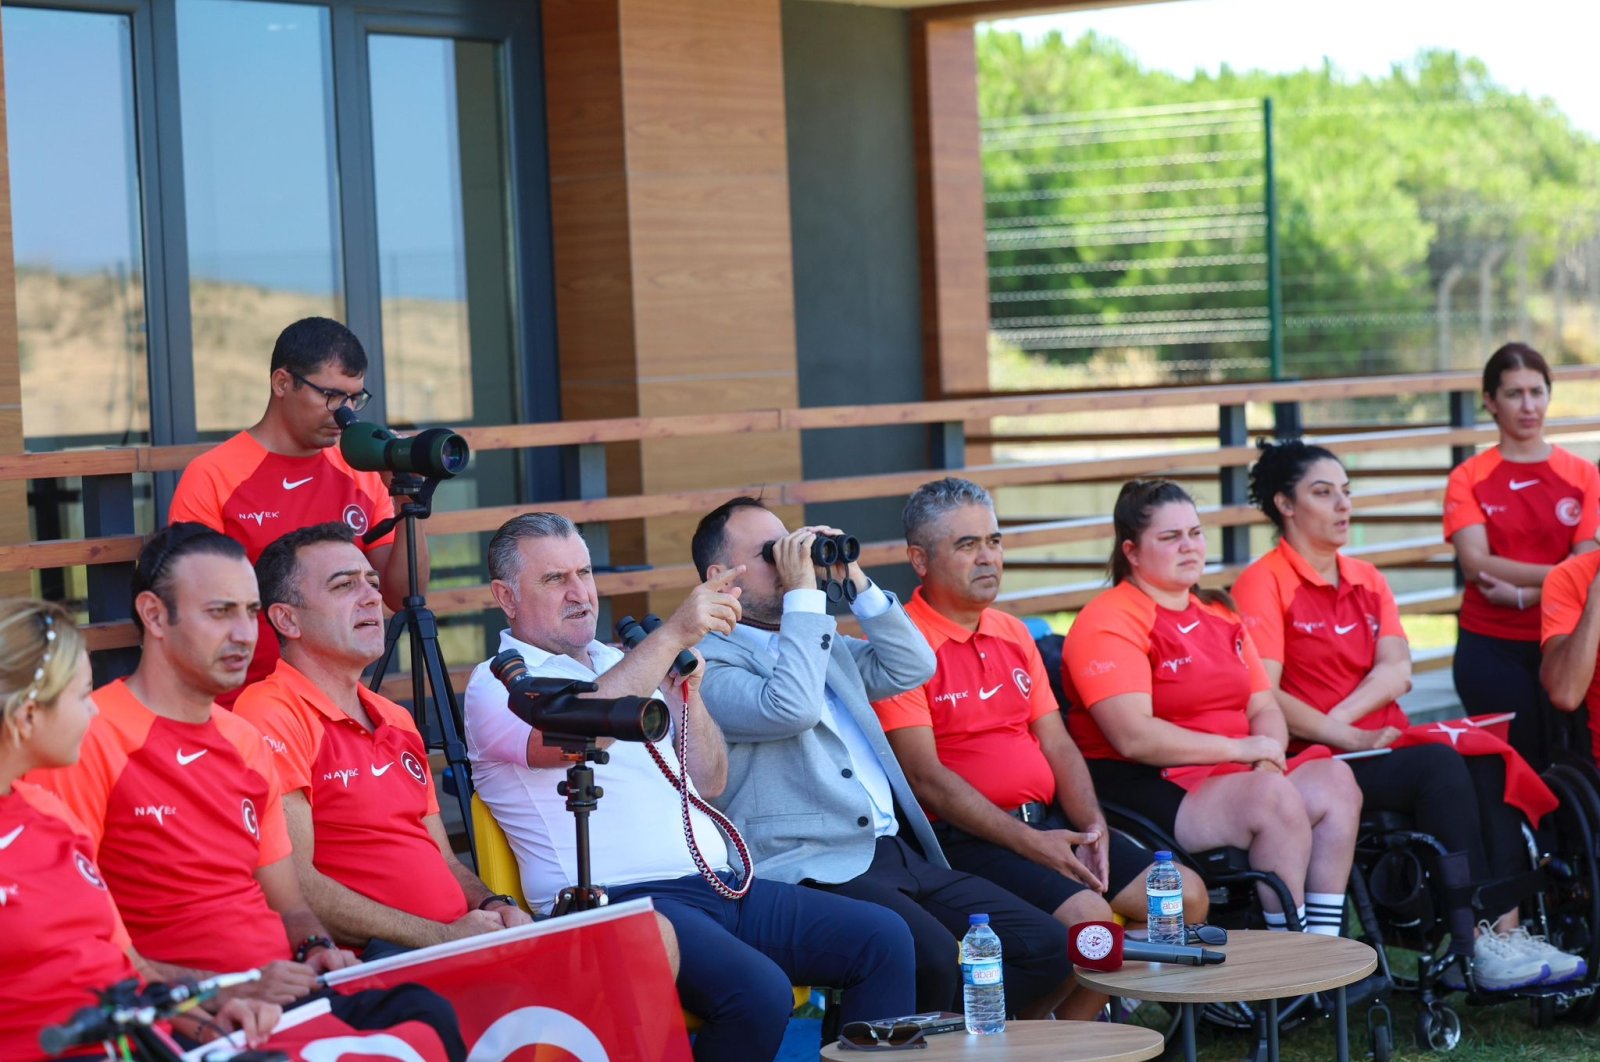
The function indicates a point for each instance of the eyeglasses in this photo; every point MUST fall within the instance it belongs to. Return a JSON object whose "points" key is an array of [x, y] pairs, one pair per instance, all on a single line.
{"points": [[356, 400], [881, 1036]]}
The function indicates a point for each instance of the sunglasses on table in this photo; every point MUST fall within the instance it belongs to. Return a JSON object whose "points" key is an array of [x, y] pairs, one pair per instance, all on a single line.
{"points": [[881, 1036]]}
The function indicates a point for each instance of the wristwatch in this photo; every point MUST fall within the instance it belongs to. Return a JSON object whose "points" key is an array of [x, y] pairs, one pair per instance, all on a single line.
{"points": [[502, 897]]}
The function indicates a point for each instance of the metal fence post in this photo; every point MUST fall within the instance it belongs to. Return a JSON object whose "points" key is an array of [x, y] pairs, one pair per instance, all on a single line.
{"points": [[947, 445], [1234, 482], [108, 510], [1463, 414]]}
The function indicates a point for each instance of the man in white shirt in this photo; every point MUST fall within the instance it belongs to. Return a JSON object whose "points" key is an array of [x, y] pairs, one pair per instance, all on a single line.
{"points": [[813, 783], [738, 955]]}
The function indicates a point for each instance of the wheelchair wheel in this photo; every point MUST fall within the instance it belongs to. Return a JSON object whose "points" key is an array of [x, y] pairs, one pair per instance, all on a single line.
{"points": [[1571, 905], [1382, 1049], [1438, 1028]]}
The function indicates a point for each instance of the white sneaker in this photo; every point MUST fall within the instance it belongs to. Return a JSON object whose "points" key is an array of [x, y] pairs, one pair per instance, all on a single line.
{"points": [[1563, 966], [1499, 965]]}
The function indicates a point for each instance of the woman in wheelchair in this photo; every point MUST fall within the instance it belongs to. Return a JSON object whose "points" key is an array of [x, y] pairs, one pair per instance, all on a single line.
{"points": [[1328, 631], [62, 932], [1181, 723]]}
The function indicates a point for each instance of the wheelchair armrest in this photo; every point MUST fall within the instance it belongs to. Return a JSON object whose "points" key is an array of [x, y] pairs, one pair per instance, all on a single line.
{"points": [[1209, 865]]}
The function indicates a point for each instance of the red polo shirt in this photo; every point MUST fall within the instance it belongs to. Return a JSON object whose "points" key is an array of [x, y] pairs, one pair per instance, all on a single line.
{"points": [[1534, 513], [1198, 666], [255, 497], [1566, 591], [1325, 636], [369, 791], [181, 816], [63, 937], [981, 703]]}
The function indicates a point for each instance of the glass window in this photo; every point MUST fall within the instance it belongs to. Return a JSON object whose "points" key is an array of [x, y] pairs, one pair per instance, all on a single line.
{"points": [[77, 227], [260, 191]]}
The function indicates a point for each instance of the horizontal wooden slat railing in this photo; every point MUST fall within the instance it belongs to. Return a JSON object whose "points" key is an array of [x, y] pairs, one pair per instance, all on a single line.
{"points": [[1227, 459]]}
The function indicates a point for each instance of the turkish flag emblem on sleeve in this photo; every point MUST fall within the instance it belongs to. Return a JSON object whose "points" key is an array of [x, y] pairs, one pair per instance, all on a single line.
{"points": [[589, 987], [1525, 790]]}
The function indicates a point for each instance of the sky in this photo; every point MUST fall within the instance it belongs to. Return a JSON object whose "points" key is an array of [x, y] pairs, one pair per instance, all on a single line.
{"points": [[1541, 47]]}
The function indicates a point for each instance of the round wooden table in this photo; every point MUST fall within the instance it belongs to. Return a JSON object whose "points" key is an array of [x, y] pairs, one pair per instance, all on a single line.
{"points": [[1028, 1041], [1260, 966]]}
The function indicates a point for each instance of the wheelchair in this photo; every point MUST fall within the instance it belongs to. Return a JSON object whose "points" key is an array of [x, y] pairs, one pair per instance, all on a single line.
{"points": [[1401, 889]]}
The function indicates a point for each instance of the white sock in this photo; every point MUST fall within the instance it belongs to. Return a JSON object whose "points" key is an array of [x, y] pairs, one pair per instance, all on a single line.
{"points": [[1324, 912], [1276, 921]]}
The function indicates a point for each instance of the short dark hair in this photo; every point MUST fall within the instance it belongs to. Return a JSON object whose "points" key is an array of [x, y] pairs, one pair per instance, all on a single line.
{"points": [[1279, 470], [279, 564], [312, 342], [153, 570], [710, 535]]}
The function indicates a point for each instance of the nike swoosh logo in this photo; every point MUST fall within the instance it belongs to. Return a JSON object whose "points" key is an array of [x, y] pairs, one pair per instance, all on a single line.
{"points": [[1519, 484], [1344, 630], [1185, 630], [984, 695], [186, 760], [378, 772], [5, 842], [297, 483]]}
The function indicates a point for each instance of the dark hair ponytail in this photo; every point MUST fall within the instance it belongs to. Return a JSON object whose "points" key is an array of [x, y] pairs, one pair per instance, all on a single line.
{"points": [[1279, 470], [1136, 502]]}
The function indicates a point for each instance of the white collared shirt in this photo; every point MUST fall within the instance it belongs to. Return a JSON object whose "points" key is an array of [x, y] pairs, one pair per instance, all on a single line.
{"points": [[864, 764], [636, 830]]}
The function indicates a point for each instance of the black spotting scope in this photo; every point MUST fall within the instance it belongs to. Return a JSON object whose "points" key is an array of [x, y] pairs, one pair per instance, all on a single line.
{"points": [[553, 706], [436, 453]]}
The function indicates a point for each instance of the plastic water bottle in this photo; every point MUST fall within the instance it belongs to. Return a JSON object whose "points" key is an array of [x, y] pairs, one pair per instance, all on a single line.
{"points": [[1163, 889], [983, 988]]}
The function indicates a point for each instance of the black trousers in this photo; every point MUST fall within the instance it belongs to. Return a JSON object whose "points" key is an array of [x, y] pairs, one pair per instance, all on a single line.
{"points": [[1495, 675], [380, 1008], [1460, 800], [935, 902]]}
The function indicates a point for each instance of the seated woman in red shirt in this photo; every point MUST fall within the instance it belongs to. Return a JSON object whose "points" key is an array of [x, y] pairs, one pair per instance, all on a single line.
{"points": [[63, 936], [1328, 631], [1176, 718]]}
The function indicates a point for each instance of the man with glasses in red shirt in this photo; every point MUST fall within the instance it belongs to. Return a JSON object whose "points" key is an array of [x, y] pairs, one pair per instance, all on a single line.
{"points": [[285, 471]]}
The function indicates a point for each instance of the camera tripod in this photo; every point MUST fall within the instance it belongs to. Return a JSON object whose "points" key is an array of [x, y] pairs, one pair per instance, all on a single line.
{"points": [[583, 796], [430, 679]]}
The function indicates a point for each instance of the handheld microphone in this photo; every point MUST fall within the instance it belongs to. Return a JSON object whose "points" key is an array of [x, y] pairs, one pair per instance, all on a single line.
{"points": [[630, 632], [1103, 946]]}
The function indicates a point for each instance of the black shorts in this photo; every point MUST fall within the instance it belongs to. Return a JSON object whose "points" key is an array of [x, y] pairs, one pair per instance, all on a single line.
{"points": [[1041, 886], [1140, 788]]}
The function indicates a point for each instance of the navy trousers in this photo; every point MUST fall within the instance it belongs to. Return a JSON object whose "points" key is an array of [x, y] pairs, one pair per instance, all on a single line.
{"points": [[740, 957]]}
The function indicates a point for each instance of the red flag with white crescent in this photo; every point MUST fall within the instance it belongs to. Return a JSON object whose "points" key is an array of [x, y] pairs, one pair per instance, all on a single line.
{"points": [[1525, 790]]}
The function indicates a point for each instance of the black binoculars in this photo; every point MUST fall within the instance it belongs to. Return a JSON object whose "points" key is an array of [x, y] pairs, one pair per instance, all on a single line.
{"points": [[826, 550]]}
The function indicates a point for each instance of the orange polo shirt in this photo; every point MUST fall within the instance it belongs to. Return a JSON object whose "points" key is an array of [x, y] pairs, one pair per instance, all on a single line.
{"points": [[63, 937], [255, 497], [1325, 636], [369, 791], [981, 703], [1534, 513], [1566, 591], [1198, 665], [181, 815]]}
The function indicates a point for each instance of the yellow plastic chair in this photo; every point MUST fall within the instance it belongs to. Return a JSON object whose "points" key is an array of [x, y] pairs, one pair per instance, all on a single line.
{"points": [[497, 866]]}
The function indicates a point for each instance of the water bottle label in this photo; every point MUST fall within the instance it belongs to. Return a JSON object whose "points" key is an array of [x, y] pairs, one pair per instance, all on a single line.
{"points": [[981, 973], [1165, 902]]}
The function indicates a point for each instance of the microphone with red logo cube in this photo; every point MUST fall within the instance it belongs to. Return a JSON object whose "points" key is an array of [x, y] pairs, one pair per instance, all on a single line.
{"points": [[1104, 947]]}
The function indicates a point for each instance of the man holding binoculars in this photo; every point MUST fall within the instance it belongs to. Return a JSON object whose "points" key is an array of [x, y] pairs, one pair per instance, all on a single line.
{"points": [[286, 471], [812, 782]]}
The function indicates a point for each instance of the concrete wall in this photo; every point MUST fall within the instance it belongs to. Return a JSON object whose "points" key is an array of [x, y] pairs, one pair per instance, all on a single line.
{"points": [[853, 201]]}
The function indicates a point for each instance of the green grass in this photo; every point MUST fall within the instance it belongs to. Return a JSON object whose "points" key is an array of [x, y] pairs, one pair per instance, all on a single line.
{"points": [[1499, 1032]]}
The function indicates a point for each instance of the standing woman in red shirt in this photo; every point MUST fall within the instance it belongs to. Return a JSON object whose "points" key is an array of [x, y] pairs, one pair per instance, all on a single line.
{"points": [[1514, 512], [64, 938], [1176, 717], [1328, 631]]}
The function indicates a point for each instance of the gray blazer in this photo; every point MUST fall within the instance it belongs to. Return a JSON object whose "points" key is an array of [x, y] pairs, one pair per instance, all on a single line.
{"points": [[787, 788]]}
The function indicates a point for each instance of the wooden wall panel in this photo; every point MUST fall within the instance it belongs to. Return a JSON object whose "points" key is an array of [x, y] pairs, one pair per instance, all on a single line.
{"points": [[13, 496], [674, 280]]}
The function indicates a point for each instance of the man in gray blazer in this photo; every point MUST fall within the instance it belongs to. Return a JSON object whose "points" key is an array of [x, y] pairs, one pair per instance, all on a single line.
{"points": [[812, 782]]}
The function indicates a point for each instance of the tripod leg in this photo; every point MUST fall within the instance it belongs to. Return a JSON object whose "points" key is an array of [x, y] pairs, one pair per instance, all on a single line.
{"points": [[428, 665], [391, 640]]}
